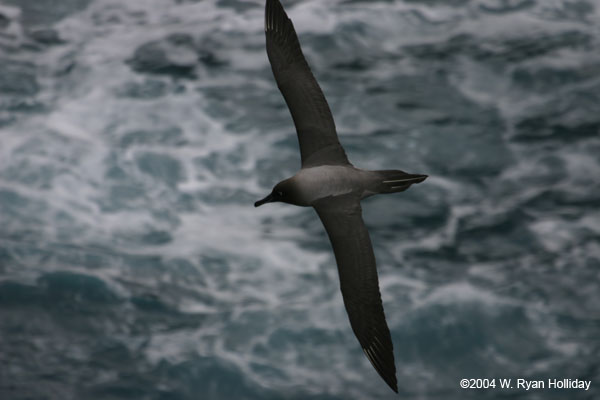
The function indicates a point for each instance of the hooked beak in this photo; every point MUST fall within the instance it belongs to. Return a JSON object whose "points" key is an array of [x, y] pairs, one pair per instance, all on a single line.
{"points": [[267, 199]]}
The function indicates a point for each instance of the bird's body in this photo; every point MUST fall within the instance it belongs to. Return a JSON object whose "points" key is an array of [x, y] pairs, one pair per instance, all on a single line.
{"points": [[330, 184], [315, 183], [312, 184]]}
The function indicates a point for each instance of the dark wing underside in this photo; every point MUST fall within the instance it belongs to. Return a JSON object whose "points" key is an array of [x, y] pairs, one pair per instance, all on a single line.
{"points": [[319, 144], [349, 237]]}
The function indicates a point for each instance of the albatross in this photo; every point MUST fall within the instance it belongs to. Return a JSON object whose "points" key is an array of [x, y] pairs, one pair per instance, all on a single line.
{"points": [[330, 184]]}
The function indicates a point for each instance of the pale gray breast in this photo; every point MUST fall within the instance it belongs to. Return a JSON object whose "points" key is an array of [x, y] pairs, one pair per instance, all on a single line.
{"points": [[327, 180]]}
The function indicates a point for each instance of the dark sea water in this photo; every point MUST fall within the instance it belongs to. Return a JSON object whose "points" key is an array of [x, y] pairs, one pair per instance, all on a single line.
{"points": [[136, 135]]}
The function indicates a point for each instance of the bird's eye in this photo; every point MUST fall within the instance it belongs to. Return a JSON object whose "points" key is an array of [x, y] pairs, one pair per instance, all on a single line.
{"points": [[279, 193]]}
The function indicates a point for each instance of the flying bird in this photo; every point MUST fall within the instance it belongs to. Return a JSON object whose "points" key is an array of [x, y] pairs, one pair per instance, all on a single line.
{"points": [[330, 184]]}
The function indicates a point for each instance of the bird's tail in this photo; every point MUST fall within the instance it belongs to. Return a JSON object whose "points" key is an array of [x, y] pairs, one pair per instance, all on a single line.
{"points": [[392, 181]]}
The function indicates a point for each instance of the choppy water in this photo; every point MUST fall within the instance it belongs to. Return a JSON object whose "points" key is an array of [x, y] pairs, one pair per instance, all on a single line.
{"points": [[135, 137]]}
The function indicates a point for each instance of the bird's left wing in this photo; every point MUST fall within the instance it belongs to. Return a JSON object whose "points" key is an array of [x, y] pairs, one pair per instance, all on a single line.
{"points": [[349, 237], [319, 144]]}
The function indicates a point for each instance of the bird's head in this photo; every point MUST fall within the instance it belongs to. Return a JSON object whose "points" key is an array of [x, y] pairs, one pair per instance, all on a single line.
{"points": [[281, 192]]}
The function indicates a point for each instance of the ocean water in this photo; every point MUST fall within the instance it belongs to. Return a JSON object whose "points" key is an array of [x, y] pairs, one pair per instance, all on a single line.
{"points": [[136, 135]]}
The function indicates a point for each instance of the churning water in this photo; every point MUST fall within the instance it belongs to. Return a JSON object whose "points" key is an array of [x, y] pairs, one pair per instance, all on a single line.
{"points": [[136, 135]]}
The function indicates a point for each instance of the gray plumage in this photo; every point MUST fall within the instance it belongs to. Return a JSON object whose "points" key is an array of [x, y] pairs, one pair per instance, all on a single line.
{"points": [[328, 182]]}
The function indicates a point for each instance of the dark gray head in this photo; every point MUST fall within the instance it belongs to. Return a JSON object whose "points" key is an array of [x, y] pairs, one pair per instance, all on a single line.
{"points": [[281, 192]]}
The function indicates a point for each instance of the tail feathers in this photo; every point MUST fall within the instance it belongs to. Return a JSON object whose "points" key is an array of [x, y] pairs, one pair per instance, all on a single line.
{"points": [[392, 181]]}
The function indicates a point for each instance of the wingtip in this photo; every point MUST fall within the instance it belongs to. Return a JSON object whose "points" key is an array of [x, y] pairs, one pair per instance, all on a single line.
{"points": [[275, 16], [383, 369], [392, 382], [271, 7]]}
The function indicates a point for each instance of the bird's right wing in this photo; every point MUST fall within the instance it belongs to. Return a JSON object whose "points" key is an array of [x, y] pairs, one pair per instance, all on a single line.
{"points": [[319, 144], [349, 237]]}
